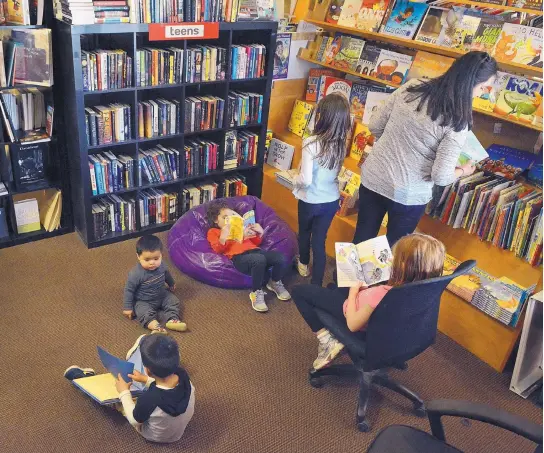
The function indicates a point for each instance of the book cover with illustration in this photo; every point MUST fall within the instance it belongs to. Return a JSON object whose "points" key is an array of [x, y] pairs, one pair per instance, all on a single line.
{"points": [[281, 56], [348, 16], [313, 81], [300, 117], [472, 150], [449, 24], [507, 162], [431, 25], [330, 52], [428, 66], [487, 34], [466, 285], [392, 66], [405, 19], [465, 31], [369, 57], [519, 98], [238, 224], [329, 85], [359, 92], [519, 44], [489, 93], [527, 4], [325, 44], [361, 138], [334, 11], [371, 15], [373, 102], [368, 262], [349, 54]]}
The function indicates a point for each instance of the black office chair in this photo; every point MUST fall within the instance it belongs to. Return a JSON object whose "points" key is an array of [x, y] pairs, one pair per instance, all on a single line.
{"points": [[405, 439], [402, 326]]}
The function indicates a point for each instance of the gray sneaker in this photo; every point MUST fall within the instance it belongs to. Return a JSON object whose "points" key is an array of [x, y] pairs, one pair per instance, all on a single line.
{"points": [[279, 289], [257, 301], [327, 352]]}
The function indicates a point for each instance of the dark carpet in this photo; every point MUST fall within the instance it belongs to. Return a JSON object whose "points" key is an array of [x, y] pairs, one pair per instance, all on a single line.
{"points": [[59, 300]]}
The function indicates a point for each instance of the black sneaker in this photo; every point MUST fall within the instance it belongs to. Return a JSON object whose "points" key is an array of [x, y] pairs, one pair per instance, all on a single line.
{"points": [[76, 372]]}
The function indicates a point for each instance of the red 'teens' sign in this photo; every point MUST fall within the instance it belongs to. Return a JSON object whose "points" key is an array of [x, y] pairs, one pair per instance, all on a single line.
{"points": [[185, 30]]}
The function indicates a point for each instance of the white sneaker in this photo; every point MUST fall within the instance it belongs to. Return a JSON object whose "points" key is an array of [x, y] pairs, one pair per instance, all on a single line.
{"points": [[278, 289], [327, 352], [257, 301], [303, 269]]}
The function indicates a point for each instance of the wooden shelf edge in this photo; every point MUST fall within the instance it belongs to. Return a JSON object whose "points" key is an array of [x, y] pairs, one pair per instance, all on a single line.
{"points": [[531, 71], [508, 119], [498, 7]]}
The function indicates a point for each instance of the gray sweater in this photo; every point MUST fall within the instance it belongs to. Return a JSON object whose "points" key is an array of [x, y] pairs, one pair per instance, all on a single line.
{"points": [[146, 285], [411, 154]]}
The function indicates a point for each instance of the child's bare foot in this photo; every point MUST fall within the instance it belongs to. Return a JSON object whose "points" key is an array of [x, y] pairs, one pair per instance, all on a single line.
{"points": [[177, 325], [155, 327]]}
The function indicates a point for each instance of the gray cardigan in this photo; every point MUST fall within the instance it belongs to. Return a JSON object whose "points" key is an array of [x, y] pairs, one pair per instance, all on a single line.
{"points": [[411, 154]]}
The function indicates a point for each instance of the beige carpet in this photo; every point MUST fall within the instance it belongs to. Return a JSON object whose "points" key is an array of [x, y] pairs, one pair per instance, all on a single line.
{"points": [[59, 300]]}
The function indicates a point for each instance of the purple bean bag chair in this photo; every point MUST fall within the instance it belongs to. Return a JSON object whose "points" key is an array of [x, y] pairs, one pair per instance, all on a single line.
{"points": [[190, 250]]}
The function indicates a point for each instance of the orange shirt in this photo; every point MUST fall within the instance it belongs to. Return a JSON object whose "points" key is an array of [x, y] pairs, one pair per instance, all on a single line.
{"points": [[231, 248]]}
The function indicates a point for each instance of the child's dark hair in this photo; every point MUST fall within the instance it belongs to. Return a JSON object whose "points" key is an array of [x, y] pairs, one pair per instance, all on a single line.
{"points": [[148, 243], [160, 354], [331, 130], [214, 209]]}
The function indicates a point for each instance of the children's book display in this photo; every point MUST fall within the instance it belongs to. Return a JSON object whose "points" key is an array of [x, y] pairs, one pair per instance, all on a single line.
{"points": [[329, 85], [280, 154], [431, 25], [428, 66], [313, 81], [349, 54], [392, 66], [281, 56], [368, 262], [360, 141], [404, 19], [238, 224], [299, 117], [373, 101]]}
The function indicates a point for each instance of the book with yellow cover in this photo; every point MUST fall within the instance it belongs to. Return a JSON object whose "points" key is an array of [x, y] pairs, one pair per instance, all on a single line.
{"points": [[428, 66], [238, 224], [361, 136], [300, 117]]}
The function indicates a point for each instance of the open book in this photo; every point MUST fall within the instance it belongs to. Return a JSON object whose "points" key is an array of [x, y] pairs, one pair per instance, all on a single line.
{"points": [[368, 262], [473, 150], [101, 387], [238, 224]]}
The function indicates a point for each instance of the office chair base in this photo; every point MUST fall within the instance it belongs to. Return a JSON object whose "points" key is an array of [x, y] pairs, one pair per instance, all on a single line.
{"points": [[363, 426]]}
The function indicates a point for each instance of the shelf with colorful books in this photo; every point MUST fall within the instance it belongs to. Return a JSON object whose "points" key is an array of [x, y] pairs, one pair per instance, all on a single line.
{"points": [[166, 127], [498, 7]]}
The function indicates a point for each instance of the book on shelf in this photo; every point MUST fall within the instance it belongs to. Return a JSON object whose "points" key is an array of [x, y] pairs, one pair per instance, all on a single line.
{"points": [[233, 187], [108, 124], [358, 96], [348, 15], [333, 48], [313, 81], [507, 162], [157, 207], [519, 44], [248, 61], [201, 157], [349, 53], [392, 66], [368, 262], [158, 165], [29, 164], [281, 56], [203, 112], [526, 4], [465, 286], [334, 11], [113, 214], [360, 141], [192, 196], [486, 99], [518, 98], [106, 69], [33, 57], [487, 33], [325, 43], [238, 224], [374, 100], [22, 12], [156, 66], [428, 66], [367, 62], [431, 24], [241, 148], [449, 24], [205, 64], [404, 19], [244, 108], [110, 173], [27, 215], [329, 85], [159, 117], [4, 231], [50, 207], [465, 30], [280, 154], [299, 117], [371, 15]]}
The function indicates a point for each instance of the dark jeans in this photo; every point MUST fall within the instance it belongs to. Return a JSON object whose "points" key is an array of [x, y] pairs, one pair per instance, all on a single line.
{"points": [[314, 221], [402, 219], [309, 297], [256, 262]]}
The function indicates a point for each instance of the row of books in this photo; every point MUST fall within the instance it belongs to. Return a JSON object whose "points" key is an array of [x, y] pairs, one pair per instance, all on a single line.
{"points": [[106, 69], [205, 64], [201, 157], [108, 124], [113, 214], [157, 118], [444, 24], [193, 195], [159, 164], [501, 298], [110, 173], [157, 207], [247, 61], [244, 108], [203, 112], [241, 148]]}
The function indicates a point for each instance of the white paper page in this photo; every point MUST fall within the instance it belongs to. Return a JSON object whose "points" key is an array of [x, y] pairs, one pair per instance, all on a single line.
{"points": [[376, 258], [347, 265]]}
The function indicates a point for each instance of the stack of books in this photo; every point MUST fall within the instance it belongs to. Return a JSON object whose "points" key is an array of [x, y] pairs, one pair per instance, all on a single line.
{"points": [[201, 157], [157, 118], [108, 124], [157, 207], [106, 69], [111, 11], [159, 164], [111, 173], [244, 108], [113, 214], [203, 113], [159, 66], [248, 61]]}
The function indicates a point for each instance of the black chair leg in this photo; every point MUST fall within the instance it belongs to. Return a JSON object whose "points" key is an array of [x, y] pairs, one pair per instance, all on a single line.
{"points": [[385, 381], [362, 403]]}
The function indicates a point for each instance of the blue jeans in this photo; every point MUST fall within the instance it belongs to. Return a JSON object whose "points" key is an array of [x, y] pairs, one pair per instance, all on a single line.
{"points": [[314, 221], [402, 219]]}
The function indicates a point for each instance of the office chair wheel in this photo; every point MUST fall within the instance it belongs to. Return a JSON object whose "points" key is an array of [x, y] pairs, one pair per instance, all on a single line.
{"points": [[420, 411], [317, 382], [363, 426]]}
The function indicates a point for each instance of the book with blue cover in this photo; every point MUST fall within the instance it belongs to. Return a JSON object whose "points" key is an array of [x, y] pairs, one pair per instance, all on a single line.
{"points": [[507, 162], [405, 19]]}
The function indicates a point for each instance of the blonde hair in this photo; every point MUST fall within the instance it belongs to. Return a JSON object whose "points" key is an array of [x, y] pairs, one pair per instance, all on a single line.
{"points": [[416, 257]]}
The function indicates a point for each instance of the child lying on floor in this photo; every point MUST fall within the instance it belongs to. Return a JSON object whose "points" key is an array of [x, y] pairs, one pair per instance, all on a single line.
{"points": [[246, 256]]}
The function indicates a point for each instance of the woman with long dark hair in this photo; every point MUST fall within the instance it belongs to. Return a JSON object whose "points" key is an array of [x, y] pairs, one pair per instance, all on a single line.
{"points": [[419, 134]]}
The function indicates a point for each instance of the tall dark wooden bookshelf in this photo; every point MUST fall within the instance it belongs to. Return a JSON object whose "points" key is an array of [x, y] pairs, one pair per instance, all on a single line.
{"points": [[71, 40]]}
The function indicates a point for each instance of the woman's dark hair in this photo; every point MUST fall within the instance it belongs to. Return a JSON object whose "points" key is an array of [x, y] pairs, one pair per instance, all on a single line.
{"points": [[214, 209], [333, 123], [449, 97]]}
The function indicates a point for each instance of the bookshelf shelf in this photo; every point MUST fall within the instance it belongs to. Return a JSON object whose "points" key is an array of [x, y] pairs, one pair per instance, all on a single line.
{"points": [[532, 71], [132, 37], [508, 119], [483, 5]]}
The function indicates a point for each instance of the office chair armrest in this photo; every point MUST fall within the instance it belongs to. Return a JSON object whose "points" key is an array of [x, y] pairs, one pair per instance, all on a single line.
{"points": [[481, 412]]}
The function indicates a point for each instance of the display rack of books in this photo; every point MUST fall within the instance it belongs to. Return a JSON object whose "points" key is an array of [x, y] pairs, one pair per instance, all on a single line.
{"points": [[34, 194], [155, 127]]}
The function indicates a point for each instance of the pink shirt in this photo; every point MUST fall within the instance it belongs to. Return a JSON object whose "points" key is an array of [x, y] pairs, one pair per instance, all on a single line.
{"points": [[371, 296]]}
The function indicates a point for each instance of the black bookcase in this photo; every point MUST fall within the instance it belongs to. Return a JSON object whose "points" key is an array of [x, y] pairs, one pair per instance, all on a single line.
{"points": [[71, 40]]}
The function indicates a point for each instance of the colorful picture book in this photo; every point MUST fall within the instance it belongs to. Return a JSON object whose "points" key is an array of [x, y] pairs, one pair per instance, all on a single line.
{"points": [[238, 224], [431, 25], [333, 48], [329, 85], [280, 154], [371, 15], [300, 117], [428, 66], [487, 97], [349, 54], [368, 262], [472, 150], [465, 30], [313, 81], [360, 140], [392, 66], [359, 93], [281, 56], [350, 10], [519, 44], [487, 34], [507, 162], [369, 57], [334, 11], [404, 19], [449, 23], [518, 97], [373, 101]]}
